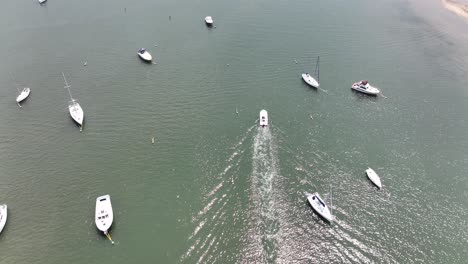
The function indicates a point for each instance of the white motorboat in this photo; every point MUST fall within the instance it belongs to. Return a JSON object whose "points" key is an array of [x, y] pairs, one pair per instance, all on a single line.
{"points": [[263, 118], [144, 55], [209, 20], [42, 1], [23, 95], [104, 215], [76, 112], [373, 177], [311, 80], [3, 216], [364, 87], [319, 206]]}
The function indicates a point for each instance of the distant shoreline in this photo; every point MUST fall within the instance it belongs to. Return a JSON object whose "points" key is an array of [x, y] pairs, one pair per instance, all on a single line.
{"points": [[456, 7]]}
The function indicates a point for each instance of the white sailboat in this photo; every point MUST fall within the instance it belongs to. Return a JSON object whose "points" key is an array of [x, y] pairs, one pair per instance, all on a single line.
{"points": [[374, 178], [319, 206], [22, 95], [309, 79], [3, 216], [76, 112], [364, 87], [263, 118], [104, 215]]}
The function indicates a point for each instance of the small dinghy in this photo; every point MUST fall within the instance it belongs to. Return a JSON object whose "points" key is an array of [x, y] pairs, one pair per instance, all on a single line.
{"points": [[144, 55], [319, 206], [364, 87], [311, 80], [23, 95], [76, 112], [42, 1], [374, 178], [263, 118], [104, 214], [3, 216], [209, 21]]}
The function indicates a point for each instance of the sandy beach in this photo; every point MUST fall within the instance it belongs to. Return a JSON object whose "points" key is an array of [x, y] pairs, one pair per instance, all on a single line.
{"points": [[457, 7]]}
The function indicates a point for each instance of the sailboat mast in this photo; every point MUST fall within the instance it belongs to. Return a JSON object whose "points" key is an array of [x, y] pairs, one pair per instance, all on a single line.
{"points": [[67, 86]]}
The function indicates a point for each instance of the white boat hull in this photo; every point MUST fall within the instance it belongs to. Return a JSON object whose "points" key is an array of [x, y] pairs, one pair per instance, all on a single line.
{"points": [[263, 118], [146, 56], [76, 112], [310, 80], [23, 95], [3, 216], [370, 90], [209, 20], [374, 178], [104, 215], [42, 1], [319, 206]]}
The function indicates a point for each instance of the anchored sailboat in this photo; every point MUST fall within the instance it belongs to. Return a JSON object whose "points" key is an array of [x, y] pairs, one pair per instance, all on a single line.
{"points": [[309, 79], [76, 112]]}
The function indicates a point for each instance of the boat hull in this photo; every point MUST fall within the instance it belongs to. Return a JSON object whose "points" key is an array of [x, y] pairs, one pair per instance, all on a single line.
{"points": [[209, 21], [263, 120], [3, 216], [76, 112], [319, 206], [145, 56], [369, 91], [42, 1], [374, 178], [23, 95], [310, 80], [104, 215]]}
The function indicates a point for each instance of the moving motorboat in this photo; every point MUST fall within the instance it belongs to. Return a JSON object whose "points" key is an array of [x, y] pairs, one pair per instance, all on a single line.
{"points": [[3, 216], [319, 206], [144, 55], [42, 1], [76, 112], [23, 95], [364, 87], [373, 177], [104, 215], [209, 21], [263, 118], [311, 80]]}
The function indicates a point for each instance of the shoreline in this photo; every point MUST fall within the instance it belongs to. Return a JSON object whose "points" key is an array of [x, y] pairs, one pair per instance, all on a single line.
{"points": [[456, 7]]}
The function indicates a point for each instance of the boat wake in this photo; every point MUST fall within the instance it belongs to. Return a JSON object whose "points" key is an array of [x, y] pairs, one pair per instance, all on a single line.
{"points": [[264, 228]]}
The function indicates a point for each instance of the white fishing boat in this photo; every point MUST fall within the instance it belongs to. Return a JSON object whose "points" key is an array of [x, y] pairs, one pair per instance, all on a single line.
{"points": [[104, 215], [263, 118], [23, 95], [144, 55], [309, 79], [373, 177], [3, 216], [209, 21], [319, 206], [42, 1], [76, 112], [364, 87]]}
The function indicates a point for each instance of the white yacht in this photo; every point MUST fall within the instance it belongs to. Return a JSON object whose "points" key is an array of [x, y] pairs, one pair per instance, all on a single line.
{"points": [[373, 177], [319, 206], [144, 55], [311, 80], [3, 216], [23, 95], [209, 21], [364, 87], [263, 118], [76, 112], [104, 215], [42, 1]]}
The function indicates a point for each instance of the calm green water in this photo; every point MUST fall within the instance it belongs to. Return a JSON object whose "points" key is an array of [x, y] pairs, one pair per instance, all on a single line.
{"points": [[214, 188]]}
